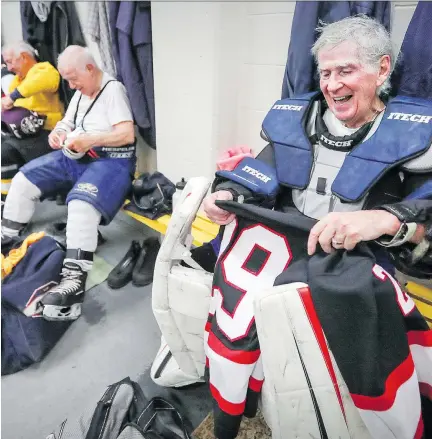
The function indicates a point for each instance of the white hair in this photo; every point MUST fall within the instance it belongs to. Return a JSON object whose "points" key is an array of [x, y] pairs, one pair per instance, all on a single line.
{"points": [[19, 47], [76, 57], [371, 37]]}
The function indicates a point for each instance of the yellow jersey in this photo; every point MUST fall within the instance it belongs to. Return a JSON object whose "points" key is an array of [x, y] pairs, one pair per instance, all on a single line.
{"points": [[40, 93]]}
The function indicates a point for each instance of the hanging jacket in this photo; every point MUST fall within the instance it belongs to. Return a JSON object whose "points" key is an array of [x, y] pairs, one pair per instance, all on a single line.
{"points": [[130, 24], [61, 29], [98, 28], [413, 74], [300, 72]]}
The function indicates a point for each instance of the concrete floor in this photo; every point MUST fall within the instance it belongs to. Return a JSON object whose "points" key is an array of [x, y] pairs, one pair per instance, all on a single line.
{"points": [[116, 336]]}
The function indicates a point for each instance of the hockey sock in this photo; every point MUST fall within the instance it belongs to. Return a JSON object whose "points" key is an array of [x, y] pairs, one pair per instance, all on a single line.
{"points": [[82, 226]]}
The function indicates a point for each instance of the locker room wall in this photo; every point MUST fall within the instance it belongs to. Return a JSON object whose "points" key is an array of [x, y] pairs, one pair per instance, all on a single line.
{"points": [[218, 67]]}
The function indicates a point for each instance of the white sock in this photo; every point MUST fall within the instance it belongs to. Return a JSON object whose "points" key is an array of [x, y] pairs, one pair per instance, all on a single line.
{"points": [[21, 200], [82, 226]]}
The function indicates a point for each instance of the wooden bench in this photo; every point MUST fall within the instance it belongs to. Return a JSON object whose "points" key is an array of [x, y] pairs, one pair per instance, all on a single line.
{"points": [[203, 230]]}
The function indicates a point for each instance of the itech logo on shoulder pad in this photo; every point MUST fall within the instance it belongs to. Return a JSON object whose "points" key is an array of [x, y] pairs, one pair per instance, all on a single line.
{"points": [[287, 107], [410, 117], [257, 174]]}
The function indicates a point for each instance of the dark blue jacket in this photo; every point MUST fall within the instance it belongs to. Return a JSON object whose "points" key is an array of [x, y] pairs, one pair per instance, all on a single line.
{"points": [[300, 73], [130, 24], [413, 75]]}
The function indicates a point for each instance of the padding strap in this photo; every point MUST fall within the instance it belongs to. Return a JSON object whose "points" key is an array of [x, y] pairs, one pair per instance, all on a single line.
{"points": [[12, 224], [79, 254]]}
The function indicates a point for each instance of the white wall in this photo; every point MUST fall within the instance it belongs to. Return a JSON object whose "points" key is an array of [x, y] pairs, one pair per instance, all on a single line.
{"points": [[218, 67]]}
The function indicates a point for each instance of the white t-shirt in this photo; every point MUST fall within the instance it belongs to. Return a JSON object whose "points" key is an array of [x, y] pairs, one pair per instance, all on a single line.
{"points": [[111, 107]]}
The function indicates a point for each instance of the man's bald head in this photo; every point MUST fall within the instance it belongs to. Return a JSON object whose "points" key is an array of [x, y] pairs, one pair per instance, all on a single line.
{"points": [[77, 66], [76, 57]]}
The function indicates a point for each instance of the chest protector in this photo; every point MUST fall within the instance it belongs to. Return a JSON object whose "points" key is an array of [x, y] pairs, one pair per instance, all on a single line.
{"points": [[404, 133]]}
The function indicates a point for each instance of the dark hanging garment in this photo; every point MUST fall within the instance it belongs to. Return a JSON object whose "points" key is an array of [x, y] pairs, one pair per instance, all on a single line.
{"points": [[300, 72], [37, 34], [61, 29], [413, 75], [130, 24]]}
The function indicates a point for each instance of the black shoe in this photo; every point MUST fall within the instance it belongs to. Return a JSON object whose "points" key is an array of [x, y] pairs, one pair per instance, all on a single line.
{"points": [[121, 274], [143, 272], [63, 302]]}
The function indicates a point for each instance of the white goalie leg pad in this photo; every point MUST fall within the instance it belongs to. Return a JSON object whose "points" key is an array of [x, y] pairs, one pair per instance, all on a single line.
{"points": [[184, 323], [166, 372], [303, 393], [181, 295]]}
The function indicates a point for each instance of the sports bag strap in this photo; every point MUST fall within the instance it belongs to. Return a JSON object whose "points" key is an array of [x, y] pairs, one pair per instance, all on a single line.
{"points": [[139, 400], [104, 405], [148, 419]]}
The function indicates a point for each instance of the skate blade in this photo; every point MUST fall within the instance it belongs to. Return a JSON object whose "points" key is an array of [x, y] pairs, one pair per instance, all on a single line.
{"points": [[62, 313]]}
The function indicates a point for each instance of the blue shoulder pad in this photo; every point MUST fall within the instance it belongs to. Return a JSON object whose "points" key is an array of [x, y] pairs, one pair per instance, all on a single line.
{"points": [[255, 175]]}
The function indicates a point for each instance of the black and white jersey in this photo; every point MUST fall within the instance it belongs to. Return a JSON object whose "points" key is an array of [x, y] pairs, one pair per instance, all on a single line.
{"points": [[254, 251], [381, 343]]}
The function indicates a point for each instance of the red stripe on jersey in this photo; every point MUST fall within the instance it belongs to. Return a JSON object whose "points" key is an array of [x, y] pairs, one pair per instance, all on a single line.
{"points": [[393, 383], [420, 429], [422, 338], [236, 356], [255, 385], [228, 407], [207, 327]]}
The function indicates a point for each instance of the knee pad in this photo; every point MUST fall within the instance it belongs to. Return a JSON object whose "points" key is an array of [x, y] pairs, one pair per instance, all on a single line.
{"points": [[22, 186], [21, 200]]}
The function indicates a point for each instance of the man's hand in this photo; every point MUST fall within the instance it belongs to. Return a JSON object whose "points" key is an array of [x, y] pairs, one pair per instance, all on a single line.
{"points": [[81, 143], [6, 103], [56, 139], [344, 230], [214, 213]]}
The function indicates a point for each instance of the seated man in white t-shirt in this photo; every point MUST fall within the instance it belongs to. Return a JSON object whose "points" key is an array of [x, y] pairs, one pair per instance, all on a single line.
{"points": [[94, 158]]}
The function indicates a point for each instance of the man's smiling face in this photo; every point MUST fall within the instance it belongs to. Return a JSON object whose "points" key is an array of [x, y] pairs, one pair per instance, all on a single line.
{"points": [[349, 87]]}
